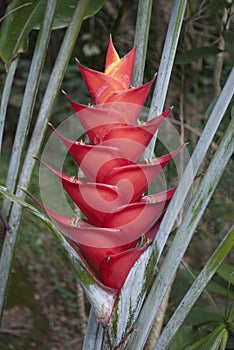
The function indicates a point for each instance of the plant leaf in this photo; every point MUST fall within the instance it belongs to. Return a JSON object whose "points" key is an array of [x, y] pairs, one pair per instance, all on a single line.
{"points": [[65, 11], [214, 339], [229, 39], [211, 341], [226, 271], [185, 337], [196, 53], [219, 288], [24, 16], [215, 5], [200, 316], [11, 197]]}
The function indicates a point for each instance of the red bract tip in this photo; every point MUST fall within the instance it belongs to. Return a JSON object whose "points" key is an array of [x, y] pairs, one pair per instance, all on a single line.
{"points": [[138, 177], [111, 55], [115, 268], [136, 95], [122, 69], [94, 161], [100, 85], [96, 200]]}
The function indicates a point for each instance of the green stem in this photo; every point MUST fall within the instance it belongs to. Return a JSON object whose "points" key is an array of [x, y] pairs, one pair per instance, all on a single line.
{"points": [[94, 333], [141, 40], [167, 58], [37, 138], [165, 67], [183, 237], [195, 291], [5, 97], [28, 102], [194, 164]]}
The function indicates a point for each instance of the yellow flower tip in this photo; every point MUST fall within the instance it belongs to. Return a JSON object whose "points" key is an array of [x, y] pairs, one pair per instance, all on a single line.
{"points": [[74, 222], [112, 66], [148, 241], [51, 126], [152, 200], [149, 161], [140, 122], [112, 58], [77, 61], [73, 179], [64, 92]]}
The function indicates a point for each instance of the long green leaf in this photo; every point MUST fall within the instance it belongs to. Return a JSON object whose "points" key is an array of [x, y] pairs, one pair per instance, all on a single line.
{"points": [[183, 237], [212, 341], [5, 97], [38, 134], [226, 271], [22, 20], [195, 54]]}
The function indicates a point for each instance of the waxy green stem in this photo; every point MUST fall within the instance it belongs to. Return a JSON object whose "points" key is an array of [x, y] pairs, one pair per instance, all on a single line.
{"points": [[165, 67], [195, 291], [5, 97], [141, 40]]}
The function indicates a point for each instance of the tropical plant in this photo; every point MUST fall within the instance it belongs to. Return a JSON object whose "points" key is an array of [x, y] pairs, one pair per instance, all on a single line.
{"points": [[116, 247]]}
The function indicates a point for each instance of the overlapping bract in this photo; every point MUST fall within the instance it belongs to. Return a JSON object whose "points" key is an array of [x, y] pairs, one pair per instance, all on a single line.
{"points": [[111, 196]]}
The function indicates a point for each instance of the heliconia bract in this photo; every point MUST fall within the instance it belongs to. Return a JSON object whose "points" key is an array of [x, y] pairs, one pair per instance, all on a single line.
{"points": [[111, 196]]}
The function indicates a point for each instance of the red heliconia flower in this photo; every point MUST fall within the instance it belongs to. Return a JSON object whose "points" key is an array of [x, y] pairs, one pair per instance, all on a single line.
{"points": [[111, 195]]}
